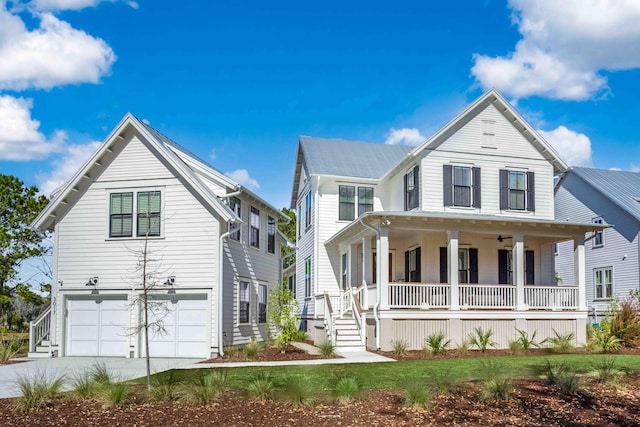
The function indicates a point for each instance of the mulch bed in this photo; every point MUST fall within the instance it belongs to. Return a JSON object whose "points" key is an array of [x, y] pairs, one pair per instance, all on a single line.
{"points": [[534, 403], [269, 354], [456, 354]]}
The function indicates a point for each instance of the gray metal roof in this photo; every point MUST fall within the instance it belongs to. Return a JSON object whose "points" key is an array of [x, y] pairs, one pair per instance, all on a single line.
{"points": [[621, 187], [339, 157]]}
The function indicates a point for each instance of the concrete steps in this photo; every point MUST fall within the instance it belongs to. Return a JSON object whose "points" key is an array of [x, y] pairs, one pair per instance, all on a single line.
{"points": [[42, 350]]}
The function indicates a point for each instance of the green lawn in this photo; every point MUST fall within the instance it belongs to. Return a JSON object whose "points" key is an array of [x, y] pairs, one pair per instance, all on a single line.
{"points": [[398, 374]]}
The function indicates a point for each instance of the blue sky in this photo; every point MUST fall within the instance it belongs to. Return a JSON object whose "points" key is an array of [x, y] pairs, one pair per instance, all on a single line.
{"points": [[236, 82]]}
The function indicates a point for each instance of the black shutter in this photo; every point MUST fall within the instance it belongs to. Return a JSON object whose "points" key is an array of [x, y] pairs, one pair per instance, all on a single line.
{"points": [[443, 265], [531, 191], [418, 266], [405, 193], [502, 266], [473, 265], [407, 277], [529, 268], [504, 189], [476, 188], [447, 184]]}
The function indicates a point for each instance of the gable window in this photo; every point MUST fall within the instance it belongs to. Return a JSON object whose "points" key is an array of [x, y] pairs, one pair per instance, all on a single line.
{"points": [[412, 265], [271, 235], [517, 190], [262, 303], [411, 189], [234, 228], [489, 133], [244, 303], [461, 186], [254, 231], [365, 200], [347, 194], [308, 205], [603, 281], [307, 277], [121, 215], [598, 237]]}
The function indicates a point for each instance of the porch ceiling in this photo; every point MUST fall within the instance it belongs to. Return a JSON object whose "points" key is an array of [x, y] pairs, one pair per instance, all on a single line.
{"points": [[404, 224]]}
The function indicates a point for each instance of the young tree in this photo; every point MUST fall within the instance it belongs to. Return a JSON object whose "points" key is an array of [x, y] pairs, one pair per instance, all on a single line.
{"points": [[283, 316], [288, 230]]}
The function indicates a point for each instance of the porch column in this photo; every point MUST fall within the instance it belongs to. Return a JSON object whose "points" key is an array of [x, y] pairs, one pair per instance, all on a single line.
{"points": [[367, 267], [579, 271], [452, 268], [518, 270], [382, 259], [353, 266]]}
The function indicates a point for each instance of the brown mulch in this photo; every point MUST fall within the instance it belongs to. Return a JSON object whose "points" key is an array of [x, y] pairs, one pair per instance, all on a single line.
{"points": [[456, 354], [533, 403], [269, 354]]}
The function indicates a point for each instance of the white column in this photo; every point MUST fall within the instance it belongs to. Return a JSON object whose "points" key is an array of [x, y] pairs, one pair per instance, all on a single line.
{"points": [[579, 271], [382, 259], [452, 268], [353, 265], [367, 267], [518, 270]]}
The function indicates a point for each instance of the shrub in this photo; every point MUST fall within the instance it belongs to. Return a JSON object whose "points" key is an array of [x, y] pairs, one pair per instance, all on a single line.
{"points": [[346, 389], [416, 395], [300, 336], [551, 371], [515, 347], [232, 351], [399, 347], [605, 342], [562, 343], [100, 373], [625, 323], [205, 387], [481, 339], [116, 394], [252, 349], [525, 341], [442, 381], [297, 390], [437, 343], [261, 387], [38, 391], [327, 349], [165, 387], [497, 388], [463, 347], [85, 387], [283, 316], [9, 348], [606, 370], [570, 382]]}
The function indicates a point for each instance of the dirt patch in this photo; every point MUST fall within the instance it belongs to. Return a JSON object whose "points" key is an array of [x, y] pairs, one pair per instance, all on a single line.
{"points": [[269, 354], [456, 354]]}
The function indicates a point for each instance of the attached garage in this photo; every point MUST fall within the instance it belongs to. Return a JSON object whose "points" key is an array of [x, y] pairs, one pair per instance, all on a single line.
{"points": [[98, 326], [184, 322]]}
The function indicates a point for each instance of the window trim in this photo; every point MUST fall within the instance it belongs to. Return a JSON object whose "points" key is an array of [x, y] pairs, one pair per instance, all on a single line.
{"points": [[239, 319], [271, 234], [253, 213], [604, 297], [598, 220], [262, 306]]}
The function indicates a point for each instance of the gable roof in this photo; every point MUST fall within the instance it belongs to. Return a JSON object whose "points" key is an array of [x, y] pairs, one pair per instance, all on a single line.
{"points": [[340, 157], [621, 187], [491, 97]]}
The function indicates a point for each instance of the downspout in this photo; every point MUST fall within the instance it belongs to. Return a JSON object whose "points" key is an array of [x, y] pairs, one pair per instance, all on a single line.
{"points": [[376, 306], [220, 282]]}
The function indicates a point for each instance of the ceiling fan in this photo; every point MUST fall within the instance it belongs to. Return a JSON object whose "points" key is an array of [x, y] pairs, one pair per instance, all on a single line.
{"points": [[501, 238]]}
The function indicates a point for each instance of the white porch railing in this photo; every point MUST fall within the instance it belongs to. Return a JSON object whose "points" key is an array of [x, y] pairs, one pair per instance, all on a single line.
{"points": [[551, 297], [487, 296], [39, 329], [419, 295], [329, 319]]}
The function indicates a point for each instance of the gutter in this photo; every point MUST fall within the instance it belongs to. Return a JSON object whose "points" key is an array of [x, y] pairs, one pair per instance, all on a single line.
{"points": [[376, 306], [220, 282]]}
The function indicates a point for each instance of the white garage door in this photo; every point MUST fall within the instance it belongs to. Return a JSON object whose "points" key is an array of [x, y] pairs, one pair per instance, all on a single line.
{"points": [[97, 326], [184, 320]]}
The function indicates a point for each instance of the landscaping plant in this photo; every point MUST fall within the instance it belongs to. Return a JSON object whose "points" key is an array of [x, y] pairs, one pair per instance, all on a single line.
{"points": [[562, 343], [206, 387], [327, 349], [346, 389], [416, 395], [252, 349], [399, 347], [525, 341], [625, 323], [495, 382], [297, 390], [38, 390], [283, 316], [437, 343], [261, 387], [481, 339]]}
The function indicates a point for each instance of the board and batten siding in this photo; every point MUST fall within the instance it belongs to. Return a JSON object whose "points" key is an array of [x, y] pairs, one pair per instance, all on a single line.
{"points": [[577, 202]]}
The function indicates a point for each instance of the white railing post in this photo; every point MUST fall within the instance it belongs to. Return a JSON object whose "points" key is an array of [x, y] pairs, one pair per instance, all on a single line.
{"points": [[452, 268]]}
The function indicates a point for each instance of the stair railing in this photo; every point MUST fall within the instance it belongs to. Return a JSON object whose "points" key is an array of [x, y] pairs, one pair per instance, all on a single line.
{"points": [[358, 313], [329, 318], [39, 329]]}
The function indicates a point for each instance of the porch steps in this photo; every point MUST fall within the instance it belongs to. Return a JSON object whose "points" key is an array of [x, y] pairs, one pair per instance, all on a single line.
{"points": [[42, 350], [347, 335]]}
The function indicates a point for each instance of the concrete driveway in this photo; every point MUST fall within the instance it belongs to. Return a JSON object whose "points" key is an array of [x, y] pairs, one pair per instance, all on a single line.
{"points": [[121, 369]]}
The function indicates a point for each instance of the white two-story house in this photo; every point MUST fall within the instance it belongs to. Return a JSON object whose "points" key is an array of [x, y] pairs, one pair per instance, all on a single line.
{"points": [[397, 243], [213, 253]]}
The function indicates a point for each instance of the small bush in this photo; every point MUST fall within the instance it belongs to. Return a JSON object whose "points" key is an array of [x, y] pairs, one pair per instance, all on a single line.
{"points": [[100, 373], [399, 347], [300, 336], [231, 351], [417, 396], [481, 339], [562, 343], [206, 387], [497, 388], [346, 389], [607, 370], [551, 371], [527, 342], [605, 342], [463, 347], [327, 349], [10, 348], [297, 390], [38, 391], [570, 382], [165, 388], [515, 347], [261, 387], [116, 394], [437, 343], [85, 387], [625, 323], [442, 381], [252, 350]]}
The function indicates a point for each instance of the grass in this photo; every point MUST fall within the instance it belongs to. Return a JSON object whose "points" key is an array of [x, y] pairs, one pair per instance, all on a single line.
{"points": [[346, 389], [10, 348], [297, 390], [261, 387], [38, 391], [205, 386], [327, 349], [416, 395], [442, 381], [252, 349]]}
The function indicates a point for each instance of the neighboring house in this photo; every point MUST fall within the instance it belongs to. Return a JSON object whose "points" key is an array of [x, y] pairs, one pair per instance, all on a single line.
{"points": [[612, 256], [396, 243], [215, 246]]}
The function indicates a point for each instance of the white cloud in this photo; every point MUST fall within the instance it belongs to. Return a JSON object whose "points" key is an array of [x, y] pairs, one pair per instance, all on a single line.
{"points": [[573, 147], [53, 5], [564, 47], [404, 136], [241, 176], [20, 138], [66, 166], [54, 54], [212, 154], [634, 167]]}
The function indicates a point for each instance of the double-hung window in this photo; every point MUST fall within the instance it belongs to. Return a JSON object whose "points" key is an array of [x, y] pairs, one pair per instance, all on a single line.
{"points": [[121, 215], [254, 225], [234, 228], [412, 260], [411, 189], [461, 186], [271, 235], [262, 303], [365, 200], [347, 209], [345, 270], [308, 215], [244, 302], [517, 190], [307, 277], [603, 282], [148, 214], [598, 238]]}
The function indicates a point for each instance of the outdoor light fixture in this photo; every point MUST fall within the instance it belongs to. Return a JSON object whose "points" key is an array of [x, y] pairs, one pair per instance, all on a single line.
{"points": [[171, 280], [93, 281]]}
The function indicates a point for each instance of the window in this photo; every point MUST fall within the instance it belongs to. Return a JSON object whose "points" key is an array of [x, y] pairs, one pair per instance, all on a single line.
{"points": [[365, 200], [603, 281], [121, 215], [517, 190], [308, 216], [347, 194], [254, 231], [345, 269], [307, 277], [262, 303], [234, 228], [412, 265], [411, 189], [461, 186], [271, 235], [148, 214], [291, 284], [598, 237], [463, 265], [467, 265], [505, 267], [244, 305], [299, 219]]}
